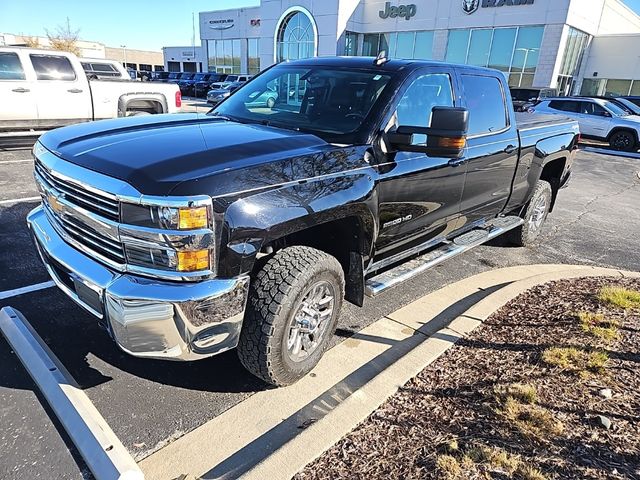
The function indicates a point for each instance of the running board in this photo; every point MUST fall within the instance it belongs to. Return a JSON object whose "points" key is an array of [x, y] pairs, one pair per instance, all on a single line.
{"points": [[405, 271]]}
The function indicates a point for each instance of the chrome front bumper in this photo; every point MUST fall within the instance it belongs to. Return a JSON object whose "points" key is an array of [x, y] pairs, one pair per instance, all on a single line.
{"points": [[146, 318]]}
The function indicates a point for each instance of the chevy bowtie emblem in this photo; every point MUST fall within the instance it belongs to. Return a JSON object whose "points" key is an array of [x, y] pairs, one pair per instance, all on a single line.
{"points": [[54, 203]]}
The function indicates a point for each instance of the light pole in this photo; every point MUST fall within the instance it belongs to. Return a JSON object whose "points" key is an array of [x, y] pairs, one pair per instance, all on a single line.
{"points": [[526, 57], [124, 54]]}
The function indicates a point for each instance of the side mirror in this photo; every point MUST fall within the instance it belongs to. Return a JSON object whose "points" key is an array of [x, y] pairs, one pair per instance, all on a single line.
{"points": [[606, 114], [446, 137]]}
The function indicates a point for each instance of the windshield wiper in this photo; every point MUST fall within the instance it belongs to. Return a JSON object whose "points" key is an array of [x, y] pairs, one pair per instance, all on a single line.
{"points": [[269, 123], [228, 118]]}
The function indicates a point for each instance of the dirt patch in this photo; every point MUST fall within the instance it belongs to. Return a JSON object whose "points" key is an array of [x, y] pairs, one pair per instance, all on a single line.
{"points": [[538, 392]]}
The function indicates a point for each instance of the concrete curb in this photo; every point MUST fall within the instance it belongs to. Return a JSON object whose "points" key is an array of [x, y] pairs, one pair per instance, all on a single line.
{"points": [[275, 433]]}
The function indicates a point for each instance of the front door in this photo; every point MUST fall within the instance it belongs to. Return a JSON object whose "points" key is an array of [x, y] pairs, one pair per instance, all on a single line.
{"points": [[594, 120], [492, 148], [62, 94], [419, 196]]}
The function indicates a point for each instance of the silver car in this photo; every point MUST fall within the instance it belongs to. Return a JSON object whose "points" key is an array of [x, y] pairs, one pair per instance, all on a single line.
{"points": [[599, 119]]}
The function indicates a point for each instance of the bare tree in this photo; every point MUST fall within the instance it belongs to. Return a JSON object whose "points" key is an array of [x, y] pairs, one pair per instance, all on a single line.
{"points": [[32, 42], [64, 38]]}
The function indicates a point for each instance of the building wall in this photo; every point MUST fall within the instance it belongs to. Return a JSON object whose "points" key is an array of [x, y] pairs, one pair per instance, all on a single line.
{"points": [[135, 57], [614, 56], [184, 54]]}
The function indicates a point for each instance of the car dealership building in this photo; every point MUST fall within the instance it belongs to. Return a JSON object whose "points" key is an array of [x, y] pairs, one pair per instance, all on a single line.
{"points": [[541, 43]]}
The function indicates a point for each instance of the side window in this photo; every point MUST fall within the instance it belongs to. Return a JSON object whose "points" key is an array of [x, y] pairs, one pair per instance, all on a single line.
{"points": [[10, 67], [594, 109], [52, 67], [426, 92], [486, 104], [565, 106]]}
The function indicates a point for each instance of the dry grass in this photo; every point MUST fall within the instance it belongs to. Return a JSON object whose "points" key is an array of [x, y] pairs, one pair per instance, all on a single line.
{"points": [[576, 360], [620, 297], [448, 467], [599, 326], [524, 393], [531, 420], [481, 458]]}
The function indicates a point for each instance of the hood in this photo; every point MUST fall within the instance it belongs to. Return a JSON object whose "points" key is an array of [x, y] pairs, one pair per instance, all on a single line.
{"points": [[156, 153]]}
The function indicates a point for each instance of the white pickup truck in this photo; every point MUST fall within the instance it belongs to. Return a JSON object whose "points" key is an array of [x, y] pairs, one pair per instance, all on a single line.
{"points": [[43, 89]]}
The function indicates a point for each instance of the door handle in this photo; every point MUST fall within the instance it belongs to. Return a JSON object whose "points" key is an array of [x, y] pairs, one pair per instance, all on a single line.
{"points": [[75, 90], [21, 90], [456, 162], [510, 149]]}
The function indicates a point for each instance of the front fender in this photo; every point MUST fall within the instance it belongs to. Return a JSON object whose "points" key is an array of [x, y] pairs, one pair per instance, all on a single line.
{"points": [[255, 221]]}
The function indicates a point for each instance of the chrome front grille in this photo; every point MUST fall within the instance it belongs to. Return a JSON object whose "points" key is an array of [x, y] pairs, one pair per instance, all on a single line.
{"points": [[88, 237], [100, 203]]}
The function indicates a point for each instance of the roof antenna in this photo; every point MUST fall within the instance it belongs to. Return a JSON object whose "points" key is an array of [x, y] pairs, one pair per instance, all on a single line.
{"points": [[381, 59]]}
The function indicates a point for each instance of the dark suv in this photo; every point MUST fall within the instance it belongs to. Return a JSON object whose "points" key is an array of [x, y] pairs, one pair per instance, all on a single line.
{"points": [[524, 97]]}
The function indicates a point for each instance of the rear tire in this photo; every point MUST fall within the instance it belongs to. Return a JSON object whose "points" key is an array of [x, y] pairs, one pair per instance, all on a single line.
{"points": [[292, 313], [534, 215], [624, 141]]}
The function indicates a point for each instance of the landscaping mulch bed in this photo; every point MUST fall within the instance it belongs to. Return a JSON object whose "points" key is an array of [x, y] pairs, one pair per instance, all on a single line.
{"points": [[528, 395]]}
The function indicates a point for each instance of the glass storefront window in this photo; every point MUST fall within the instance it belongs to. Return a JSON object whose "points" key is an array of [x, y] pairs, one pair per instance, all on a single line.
{"points": [[618, 87], [502, 49], [423, 49], [404, 47], [635, 88], [253, 56], [351, 44], [224, 56], [592, 87], [296, 37], [370, 44], [514, 50], [479, 47], [577, 43], [457, 46], [388, 44]]}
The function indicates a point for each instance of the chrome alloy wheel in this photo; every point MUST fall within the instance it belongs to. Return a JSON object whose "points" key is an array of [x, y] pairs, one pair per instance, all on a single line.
{"points": [[538, 213], [310, 321]]}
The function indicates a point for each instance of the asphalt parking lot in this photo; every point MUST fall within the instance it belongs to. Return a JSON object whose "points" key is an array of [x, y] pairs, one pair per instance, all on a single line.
{"points": [[149, 403]]}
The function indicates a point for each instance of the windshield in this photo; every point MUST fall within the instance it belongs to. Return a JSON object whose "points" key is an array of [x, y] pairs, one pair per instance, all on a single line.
{"points": [[200, 76], [320, 99], [231, 78], [524, 94], [615, 109], [632, 107]]}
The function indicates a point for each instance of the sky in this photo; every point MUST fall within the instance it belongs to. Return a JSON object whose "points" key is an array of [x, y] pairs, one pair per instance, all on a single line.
{"points": [[141, 24]]}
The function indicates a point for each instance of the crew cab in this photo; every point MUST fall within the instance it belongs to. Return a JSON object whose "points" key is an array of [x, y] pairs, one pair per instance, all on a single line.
{"points": [[599, 119], [43, 89], [250, 226]]}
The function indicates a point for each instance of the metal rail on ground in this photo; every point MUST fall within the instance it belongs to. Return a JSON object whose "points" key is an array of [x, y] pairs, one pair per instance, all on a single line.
{"points": [[101, 450]]}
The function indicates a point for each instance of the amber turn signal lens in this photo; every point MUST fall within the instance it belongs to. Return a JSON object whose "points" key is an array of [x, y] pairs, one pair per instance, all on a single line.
{"points": [[193, 218], [452, 142], [193, 261]]}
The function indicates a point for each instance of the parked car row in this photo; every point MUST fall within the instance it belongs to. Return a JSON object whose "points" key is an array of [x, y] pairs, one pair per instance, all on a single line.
{"points": [[615, 120], [199, 84]]}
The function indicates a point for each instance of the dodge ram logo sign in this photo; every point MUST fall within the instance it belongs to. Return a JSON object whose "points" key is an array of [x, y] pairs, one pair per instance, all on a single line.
{"points": [[470, 6]]}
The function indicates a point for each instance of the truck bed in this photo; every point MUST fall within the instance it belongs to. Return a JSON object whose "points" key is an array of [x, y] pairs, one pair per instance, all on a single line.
{"points": [[529, 121]]}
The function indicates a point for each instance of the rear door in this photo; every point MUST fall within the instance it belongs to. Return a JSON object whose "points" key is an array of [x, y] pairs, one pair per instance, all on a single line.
{"points": [[18, 106], [492, 146], [61, 91]]}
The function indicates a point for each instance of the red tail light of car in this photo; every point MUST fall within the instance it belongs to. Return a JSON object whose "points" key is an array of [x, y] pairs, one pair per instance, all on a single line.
{"points": [[178, 99]]}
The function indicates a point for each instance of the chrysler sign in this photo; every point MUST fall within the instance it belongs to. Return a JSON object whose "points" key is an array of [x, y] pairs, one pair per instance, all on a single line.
{"points": [[471, 6]]}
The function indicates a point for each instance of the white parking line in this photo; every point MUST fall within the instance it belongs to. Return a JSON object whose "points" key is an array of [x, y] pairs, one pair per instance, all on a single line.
{"points": [[18, 200], [28, 289], [4, 162], [103, 452]]}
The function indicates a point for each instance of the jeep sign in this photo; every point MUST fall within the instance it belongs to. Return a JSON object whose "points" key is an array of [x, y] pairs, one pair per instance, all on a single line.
{"points": [[401, 11], [471, 6]]}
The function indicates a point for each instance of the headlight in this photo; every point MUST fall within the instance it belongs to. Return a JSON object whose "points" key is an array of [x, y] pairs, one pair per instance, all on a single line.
{"points": [[171, 237], [169, 218]]}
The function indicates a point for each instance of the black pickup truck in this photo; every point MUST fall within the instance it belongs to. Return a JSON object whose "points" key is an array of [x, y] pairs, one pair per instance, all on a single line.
{"points": [[188, 235]]}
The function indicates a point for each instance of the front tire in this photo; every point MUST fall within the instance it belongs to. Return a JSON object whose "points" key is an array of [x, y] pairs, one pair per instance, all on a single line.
{"points": [[292, 313], [624, 141], [534, 216]]}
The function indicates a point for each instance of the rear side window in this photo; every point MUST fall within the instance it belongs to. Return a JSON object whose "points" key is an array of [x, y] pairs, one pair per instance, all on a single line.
{"points": [[103, 67], [10, 67], [565, 105], [52, 67], [486, 104]]}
